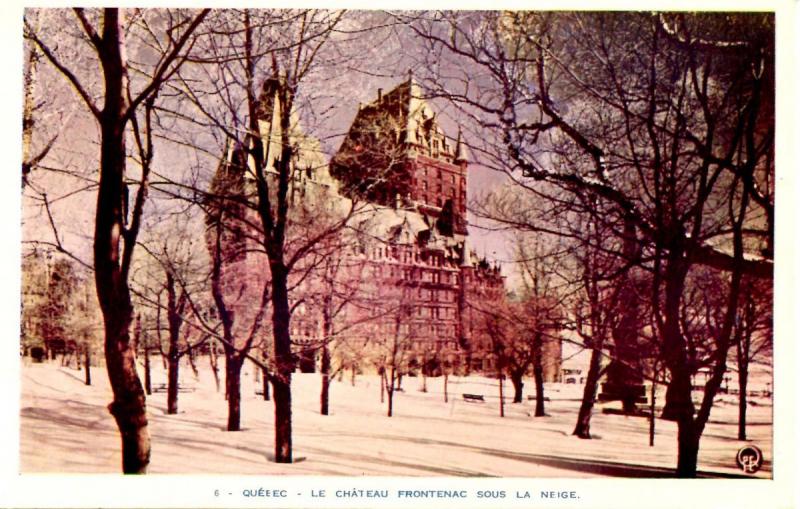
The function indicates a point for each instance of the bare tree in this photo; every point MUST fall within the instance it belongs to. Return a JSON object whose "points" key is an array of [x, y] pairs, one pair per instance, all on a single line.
{"points": [[517, 329], [390, 327], [42, 121], [260, 62], [333, 288], [176, 269], [116, 227], [597, 312], [753, 339], [665, 119], [233, 294]]}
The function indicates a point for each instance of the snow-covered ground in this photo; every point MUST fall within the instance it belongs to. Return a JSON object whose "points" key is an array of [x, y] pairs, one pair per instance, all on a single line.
{"points": [[66, 428]]}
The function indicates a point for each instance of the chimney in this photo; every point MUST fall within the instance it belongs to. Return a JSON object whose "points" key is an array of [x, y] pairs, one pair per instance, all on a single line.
{"points": [[380, 95]]}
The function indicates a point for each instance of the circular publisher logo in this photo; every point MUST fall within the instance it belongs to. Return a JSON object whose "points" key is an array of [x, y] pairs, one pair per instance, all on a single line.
{"points": [[749, 459]]}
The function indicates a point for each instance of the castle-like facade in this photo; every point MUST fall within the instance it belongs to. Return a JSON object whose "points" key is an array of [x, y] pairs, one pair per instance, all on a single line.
{"points": [[397, 156], [418, 279]]}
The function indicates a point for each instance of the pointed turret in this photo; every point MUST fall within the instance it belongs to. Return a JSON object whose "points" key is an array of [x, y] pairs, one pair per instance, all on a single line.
{"points": [[460, 153]]}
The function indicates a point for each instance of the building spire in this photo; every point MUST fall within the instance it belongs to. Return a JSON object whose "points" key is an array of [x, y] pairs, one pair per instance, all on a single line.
{"points": [[460, 153]]}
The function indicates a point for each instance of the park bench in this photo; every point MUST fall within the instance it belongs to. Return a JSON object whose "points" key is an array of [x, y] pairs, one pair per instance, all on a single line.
{"points": [[641, 411], [473, 397], [181, 388], [532, 397], [612, 392]]}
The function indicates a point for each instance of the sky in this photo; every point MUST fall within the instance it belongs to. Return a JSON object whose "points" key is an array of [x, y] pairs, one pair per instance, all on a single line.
{"points": [[382, 60]]}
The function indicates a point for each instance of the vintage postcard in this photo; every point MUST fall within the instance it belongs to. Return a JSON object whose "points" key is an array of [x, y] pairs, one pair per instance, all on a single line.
{"points": [[360, 257]]}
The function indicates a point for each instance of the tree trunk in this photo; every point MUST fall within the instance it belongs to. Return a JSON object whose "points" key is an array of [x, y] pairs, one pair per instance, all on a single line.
{"points": [[679, 390], [87, 362], [688, 441], [148, 385], [30, 80], [582, 426], [742, 353], [500, 378], [284, 364], [111, 278], [174, 321], [173, 366], [325, 368], [538, 377], [538, 374], [653, 407], [383, 383], [445, 387], [742, 401], [623, 371], [675, 402], [390, 393], [131, 418], [128, 407], [325, 362], [233, 388], [688, 448], [516, 381]]}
